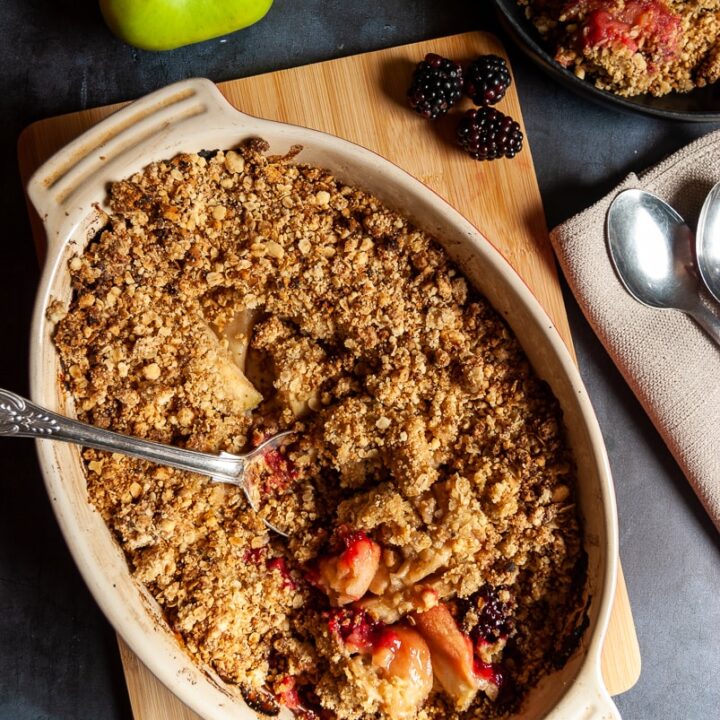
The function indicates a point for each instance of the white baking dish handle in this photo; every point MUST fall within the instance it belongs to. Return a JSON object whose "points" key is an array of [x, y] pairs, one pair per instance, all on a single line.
{"points": [[587, 698], [602, 709], [56, 187], [605, 710]]}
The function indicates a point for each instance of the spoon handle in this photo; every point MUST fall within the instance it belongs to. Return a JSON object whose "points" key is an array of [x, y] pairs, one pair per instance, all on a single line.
{"points": [[21, 418], [706, 315]]}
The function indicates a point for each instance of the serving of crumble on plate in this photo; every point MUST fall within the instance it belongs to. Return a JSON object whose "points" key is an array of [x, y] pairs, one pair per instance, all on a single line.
{"points": [[633, 47]]}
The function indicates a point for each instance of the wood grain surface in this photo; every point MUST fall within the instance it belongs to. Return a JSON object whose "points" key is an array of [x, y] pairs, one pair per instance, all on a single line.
{"points": [[362, 98]]}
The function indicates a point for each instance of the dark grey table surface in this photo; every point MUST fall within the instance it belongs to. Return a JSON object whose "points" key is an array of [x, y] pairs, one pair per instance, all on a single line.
{"points": [[58, 657]]}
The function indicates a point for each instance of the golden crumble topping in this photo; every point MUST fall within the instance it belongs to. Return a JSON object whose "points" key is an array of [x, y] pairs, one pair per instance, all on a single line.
{"points": [[435, 566], [632, 47]]}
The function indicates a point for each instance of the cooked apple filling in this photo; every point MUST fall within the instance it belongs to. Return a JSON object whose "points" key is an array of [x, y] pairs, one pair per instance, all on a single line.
{"points": [[435, 566]]}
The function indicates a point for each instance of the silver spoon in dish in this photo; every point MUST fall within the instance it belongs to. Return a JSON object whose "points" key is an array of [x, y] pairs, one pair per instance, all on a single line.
{"points": [[651, 248], [707, 242], [20, 417]]}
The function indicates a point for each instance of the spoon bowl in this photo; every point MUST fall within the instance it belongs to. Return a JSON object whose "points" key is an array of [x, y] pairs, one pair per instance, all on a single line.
{"points": [[652, 250], [707, 243]]}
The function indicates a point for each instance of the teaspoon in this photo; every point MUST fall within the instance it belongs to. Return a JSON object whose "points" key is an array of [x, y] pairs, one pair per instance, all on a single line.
{"points": [[651, 248], [20, 417], [707, 242]]}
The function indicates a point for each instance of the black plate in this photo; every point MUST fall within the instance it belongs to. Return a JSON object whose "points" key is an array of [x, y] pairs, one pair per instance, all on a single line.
{"points": [[700, 105]]}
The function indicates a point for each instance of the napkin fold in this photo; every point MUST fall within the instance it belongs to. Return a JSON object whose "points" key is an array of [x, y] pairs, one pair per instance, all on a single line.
{"points": [[672, 366]]}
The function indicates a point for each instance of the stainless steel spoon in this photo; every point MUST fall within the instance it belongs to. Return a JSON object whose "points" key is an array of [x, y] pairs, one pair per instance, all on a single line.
{"points": [[20, 417], [707, 242], [651, 248]]}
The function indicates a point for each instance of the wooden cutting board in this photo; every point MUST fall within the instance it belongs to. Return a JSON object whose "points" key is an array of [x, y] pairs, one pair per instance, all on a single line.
{"points": [[362, 98]]}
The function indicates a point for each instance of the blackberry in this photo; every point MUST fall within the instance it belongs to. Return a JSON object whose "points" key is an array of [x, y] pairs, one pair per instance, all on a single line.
{"points": [[260, 701], [487, 134], [435, 87], [487, 80], [493, 615]]}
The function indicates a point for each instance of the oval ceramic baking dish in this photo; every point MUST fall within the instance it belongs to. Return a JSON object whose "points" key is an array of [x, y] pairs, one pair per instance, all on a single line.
{"points": [[69, 191]]}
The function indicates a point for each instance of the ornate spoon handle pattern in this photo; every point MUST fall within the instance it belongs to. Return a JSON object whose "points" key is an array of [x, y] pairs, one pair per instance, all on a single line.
{"points": [[22, 418]]}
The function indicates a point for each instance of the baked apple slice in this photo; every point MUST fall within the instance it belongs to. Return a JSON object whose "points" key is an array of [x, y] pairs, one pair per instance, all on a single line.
{"points": [[403, 657], [235, 385], [238, 332], [346, 577], [400, 668], [452, 654]]}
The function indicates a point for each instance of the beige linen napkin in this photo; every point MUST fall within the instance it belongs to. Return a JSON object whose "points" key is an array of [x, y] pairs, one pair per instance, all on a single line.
{"points": [[669, 362]]}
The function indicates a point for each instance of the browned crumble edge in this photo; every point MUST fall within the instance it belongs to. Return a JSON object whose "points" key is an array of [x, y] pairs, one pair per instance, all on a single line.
{"points": [[419, 421], [675, 59]]}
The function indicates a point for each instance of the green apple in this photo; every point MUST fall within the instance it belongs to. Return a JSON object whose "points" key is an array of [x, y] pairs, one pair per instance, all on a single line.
{"points": [[168, 24]]}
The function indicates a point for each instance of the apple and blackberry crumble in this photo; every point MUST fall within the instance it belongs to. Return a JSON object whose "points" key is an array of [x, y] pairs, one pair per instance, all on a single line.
{"points": [[435, 566], [632, 47]]}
